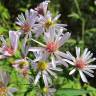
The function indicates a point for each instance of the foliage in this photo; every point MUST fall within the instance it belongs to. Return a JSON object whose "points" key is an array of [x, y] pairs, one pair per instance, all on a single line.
{"points": [[80, 16]]}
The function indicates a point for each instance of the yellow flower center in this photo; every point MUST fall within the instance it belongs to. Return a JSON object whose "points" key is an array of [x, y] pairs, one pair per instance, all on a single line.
{"points": [[42, 65], [3, 90], [49, 23], [45, 90], [23, 63]]}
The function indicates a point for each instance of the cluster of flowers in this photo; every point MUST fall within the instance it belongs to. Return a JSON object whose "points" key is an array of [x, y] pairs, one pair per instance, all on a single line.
{"points": [[36, 23]]}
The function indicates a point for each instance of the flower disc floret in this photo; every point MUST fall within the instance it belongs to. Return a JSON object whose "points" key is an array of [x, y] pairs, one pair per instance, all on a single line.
{"points": [[42, 65], [3, 89], [51, 47], [9, 50], [26, 27], [23, 63], [45, 90], [48, 24], [80, 63]]}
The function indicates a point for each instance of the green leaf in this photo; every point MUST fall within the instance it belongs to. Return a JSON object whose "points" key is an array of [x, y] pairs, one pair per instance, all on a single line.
{"points": [[74, 15], [71, 92]]}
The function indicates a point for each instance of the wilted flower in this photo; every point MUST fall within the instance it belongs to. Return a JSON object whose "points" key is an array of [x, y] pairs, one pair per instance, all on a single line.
{"points": [[42, 8], [4, 89], [27, 21], [9, 50], [22, 66], [81, 63], [25, 47], [47, 91], [53, 43], [44, 69]]}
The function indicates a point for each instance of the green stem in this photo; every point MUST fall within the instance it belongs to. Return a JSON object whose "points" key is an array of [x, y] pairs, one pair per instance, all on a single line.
{"points": [[77, 6], [83, 29], [82, 19], [29, 89], [38, 42]]}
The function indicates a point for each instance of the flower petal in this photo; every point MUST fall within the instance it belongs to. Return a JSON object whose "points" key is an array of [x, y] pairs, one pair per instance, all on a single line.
{"points": [[88, 73], [53, 61], [91, 60], [12, 90], [68, 61], [62, 54], [64, 38], [71, 72], [45, 79], [70, 56], [34, 49], [91, 66], [84, 53], [14, 37], [77, 52], [52, 73], [57, 17], [83, 76], [37, 78]]}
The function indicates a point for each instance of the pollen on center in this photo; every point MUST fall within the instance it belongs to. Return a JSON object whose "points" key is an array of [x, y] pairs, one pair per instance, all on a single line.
{"points": [[42, 65], [45, 90], [48, 24], [3, 89]]}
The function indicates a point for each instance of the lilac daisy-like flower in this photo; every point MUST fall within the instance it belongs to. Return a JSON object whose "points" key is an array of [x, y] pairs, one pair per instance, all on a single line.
{"points": [[27, 21], [4, 89], [42, 8], [9, 50], [52, 44], [43, 69], [81, 63], [46, 22]]}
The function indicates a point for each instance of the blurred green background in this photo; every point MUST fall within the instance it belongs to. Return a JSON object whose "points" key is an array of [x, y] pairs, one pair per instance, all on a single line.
{"points": [[80, 15]]}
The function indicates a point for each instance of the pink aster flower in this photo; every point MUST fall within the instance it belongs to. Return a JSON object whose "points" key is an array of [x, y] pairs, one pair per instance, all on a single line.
{"points": [[52, 44], [5, 90], [82, 63], [9, 50], [27, 21]]}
